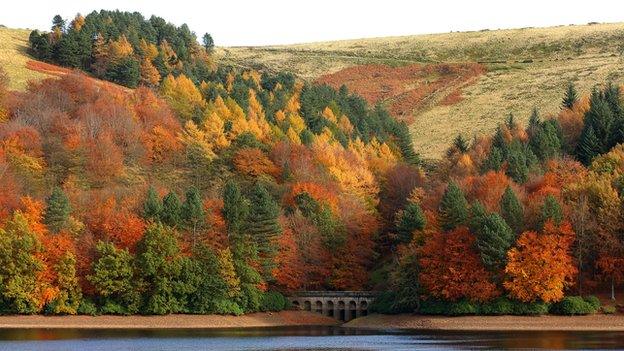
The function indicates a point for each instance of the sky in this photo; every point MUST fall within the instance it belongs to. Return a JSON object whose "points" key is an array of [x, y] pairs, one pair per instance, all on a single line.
{"points": [[271, 22]]}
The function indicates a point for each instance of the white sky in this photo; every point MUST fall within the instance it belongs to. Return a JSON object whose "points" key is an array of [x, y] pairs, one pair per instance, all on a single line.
{"points": [[264, 22]]}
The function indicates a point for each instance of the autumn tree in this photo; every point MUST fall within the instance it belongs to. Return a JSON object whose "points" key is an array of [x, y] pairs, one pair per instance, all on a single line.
{"points": [[452, 270], [540, 267], [20, 266], [69, 292]]}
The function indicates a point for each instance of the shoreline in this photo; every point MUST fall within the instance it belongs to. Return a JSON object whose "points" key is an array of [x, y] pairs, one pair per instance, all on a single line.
{"points": [[174, 321], [490, 323]]}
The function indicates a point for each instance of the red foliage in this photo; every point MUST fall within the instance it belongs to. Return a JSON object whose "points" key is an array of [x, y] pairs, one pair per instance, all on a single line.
{"points": [[452, 269]]}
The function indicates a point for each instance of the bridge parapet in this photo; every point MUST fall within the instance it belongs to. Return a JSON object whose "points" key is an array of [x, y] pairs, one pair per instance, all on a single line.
{"points": [[342, 305]]}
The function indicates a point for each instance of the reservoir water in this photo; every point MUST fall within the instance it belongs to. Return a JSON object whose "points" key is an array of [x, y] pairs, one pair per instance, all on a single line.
{"points": [[298, 338]]}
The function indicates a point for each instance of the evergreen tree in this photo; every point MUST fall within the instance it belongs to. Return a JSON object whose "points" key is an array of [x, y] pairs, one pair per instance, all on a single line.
{"points": [[152, 207], [58, 23], [511, 210], [534, 122], [494, 239], [306, 136], [192, 213], [171, 210], [494, 160], [589, 146], [263, 226], [57, 210], [67, 52], [546, 142], [570, 96], [551, 210], [235, 208], [453, 207], [406, 144], [517, 168], [407, 285], [126, 72], [460, 144], [410, 219], [477, 216], [208, 42]]}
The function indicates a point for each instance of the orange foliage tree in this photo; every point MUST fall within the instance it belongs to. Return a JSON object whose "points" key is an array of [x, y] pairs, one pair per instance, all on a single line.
{"points": [[452, 269], [540, 267]]}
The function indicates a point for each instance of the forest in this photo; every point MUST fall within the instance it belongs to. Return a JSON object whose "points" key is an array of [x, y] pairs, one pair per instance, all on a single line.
{"points": [[190, 187]]}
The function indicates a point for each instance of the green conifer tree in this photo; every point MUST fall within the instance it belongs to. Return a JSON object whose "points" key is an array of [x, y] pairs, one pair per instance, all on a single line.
{"points": [[551, 210], [570, 97], [57, 210], [152, 207], [511, 210], [453, 207], [410, 219], [193, 214], [171, 210]]}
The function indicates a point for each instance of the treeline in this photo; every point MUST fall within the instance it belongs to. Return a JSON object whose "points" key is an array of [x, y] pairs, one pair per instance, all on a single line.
{"points": [[124, 47], [517, 222]]}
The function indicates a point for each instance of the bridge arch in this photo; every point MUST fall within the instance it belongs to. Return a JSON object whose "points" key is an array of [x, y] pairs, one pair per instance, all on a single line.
{"points": [[342, 305]]}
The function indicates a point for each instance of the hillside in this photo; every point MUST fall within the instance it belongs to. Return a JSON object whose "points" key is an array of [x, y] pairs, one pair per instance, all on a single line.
{"points": [[524, 68], [14, 58]]}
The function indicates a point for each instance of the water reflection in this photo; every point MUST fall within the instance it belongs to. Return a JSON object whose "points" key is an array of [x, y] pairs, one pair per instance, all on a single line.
{"points": [[298, 338]]}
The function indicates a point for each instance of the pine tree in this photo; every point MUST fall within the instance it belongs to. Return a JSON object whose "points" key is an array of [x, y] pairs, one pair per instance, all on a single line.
{"points": [[517, 168], [545, 141], [460, 143], [263, 226], [551, 210], [534, 122], [152, 207], [589, 146], [171, 210], [494, 160], [208, 42], [235, 208], [494, 238], [192, 213], [453, 207], [57, 210], [570, 96], [410, 219], [511, 210]]}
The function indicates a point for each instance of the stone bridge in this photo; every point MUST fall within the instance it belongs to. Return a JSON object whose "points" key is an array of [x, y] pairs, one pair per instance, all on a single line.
{"points": [[342, 305]]}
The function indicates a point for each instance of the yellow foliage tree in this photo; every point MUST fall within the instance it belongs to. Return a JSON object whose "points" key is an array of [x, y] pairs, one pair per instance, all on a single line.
{"points": [[182, 95]]}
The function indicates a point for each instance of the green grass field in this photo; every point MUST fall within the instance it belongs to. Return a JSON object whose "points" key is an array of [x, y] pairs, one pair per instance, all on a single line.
{"points": [[527, 68]]}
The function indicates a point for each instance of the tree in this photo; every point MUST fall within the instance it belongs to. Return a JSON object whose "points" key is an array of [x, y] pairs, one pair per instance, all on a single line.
{"points": [[113, 277], [511, 210], [126, 72], [152, 207], [208, 42], [453, 207], [540, 267], [589, 146], [494, 238], [460, 144], [57, 210], [20, 265], [209, 288], [69, 295], [570, 96], [494, 160], [264, 227], [58, 23], [235, 208], [551, 210], [192, 213], [160, 264], [171, 210], [407, 221], [452, 270]]}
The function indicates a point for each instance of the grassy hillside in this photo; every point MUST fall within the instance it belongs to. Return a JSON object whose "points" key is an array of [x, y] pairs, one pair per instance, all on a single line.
{"points": [[525, 68], [13, 57]]}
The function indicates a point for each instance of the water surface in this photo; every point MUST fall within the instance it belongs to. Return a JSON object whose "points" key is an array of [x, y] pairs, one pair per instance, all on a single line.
{"points": [[298, 338]]}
